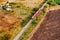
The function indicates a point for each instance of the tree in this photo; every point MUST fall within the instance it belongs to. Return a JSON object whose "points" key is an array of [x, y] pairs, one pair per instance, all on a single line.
{"points": [[51, 2], [35, 9], [57, 1]]}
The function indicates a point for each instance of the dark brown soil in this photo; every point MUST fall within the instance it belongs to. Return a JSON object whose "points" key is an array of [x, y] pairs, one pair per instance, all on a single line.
{"points": [[50, 27]]}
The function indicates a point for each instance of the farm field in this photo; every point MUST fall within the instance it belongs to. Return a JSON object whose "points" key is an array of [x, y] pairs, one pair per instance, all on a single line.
{"points": [[49, 27]]}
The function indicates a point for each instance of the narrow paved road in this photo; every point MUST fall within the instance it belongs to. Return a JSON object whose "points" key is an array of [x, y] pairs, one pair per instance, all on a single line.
{"points": [[27, 25], [22, 31]]}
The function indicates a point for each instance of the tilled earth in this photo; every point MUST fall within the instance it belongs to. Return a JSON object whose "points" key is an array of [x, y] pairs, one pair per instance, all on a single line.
{"points": [[50, 27]]}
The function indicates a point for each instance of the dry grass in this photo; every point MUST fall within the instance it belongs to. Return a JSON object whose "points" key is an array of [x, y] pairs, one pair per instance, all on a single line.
{"points": [[55, 7]]}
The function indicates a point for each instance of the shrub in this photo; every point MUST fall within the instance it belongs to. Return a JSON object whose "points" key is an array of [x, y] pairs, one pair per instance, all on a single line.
{"points": [[35, 9], [34, 21], [4, 37], [12, 3]]}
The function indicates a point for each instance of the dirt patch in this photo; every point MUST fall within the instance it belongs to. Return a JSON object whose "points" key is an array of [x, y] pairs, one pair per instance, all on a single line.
{"points": [[7, 20]]}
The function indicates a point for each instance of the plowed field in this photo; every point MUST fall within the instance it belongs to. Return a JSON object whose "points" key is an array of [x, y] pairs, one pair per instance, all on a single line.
{"points": [[50, 27]]}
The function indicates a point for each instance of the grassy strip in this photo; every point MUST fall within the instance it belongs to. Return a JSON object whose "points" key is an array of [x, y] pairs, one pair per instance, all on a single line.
{"points": [[15, 32]]}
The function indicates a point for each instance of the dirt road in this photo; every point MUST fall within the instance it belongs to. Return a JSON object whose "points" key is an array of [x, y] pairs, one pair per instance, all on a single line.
{"points": [[50, 27]]}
